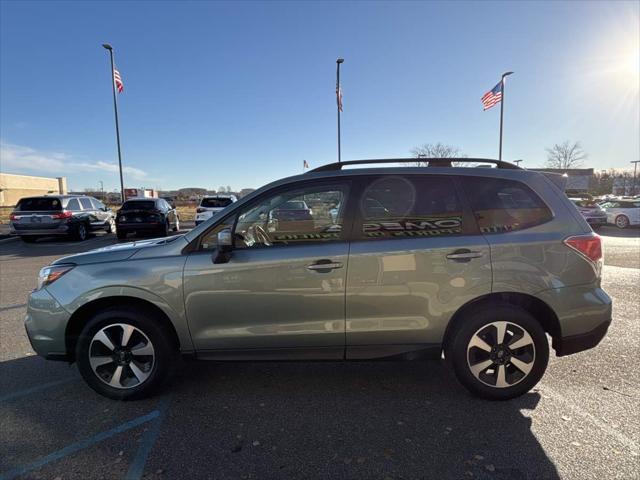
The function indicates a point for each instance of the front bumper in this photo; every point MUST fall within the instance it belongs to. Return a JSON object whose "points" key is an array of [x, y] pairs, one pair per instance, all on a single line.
{"points": [[46, 324]]}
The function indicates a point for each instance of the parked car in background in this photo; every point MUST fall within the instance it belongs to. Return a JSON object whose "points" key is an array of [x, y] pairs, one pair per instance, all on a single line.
{"points": [[146, 216], [210, 205], [593, 213], [73, 216], [478, 264], [623, 213]]}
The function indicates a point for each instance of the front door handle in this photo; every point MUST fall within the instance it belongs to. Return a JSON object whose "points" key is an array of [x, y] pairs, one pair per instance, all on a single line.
{"points": [[464, 255], [324, 266]]}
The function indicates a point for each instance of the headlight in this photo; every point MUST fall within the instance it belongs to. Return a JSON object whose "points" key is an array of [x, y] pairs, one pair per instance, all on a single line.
{"points": [[122, 218], [52, 273]]}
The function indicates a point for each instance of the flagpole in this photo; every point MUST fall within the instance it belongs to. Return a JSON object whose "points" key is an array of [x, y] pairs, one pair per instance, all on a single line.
{"points": [[506, 74], [115, 109], [338, 62]]}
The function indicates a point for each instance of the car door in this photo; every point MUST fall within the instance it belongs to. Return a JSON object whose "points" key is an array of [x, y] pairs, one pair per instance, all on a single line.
{"points": [[90, 213], [102, 213], [416, 256], [282, 290]]}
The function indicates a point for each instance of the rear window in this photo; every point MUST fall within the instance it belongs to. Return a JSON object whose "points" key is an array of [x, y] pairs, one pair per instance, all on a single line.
{"points": [[503, 205], [293, 205], [42, 204], [584, 203], [215, 202], [139, 205]]}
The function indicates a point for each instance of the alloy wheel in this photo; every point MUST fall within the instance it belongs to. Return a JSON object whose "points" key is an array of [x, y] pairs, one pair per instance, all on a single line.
{"points": [[121, 355], [501, 354], [622, 221], [82, 232]]}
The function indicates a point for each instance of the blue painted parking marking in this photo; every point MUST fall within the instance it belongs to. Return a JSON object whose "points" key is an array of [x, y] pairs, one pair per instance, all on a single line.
{"points": [[81, 445], [28, 391], [136, 469]]}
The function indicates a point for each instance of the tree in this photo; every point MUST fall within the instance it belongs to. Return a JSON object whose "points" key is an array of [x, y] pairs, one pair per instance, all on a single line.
{"points": [[565, 155], [436, 150]]}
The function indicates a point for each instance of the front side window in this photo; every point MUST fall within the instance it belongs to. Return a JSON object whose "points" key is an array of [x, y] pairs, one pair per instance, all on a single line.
{"points": [[299, 216], [409, 207], [502, 205], [97, 204]]}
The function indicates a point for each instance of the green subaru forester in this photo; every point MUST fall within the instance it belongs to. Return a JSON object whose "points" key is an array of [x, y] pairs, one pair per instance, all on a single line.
{"points": [[476, 265]]}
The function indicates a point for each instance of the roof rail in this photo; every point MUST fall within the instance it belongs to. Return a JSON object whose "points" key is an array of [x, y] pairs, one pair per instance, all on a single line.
{"points": [[432, 162]]}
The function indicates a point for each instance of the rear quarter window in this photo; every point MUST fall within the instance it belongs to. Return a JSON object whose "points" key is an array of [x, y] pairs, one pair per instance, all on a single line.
{"points": [[501, 205]]}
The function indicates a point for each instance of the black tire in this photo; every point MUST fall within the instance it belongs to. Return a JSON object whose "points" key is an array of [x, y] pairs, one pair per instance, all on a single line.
{"points": [[176, 226], [81, 232], [29, 239], [622, 221], [479, 322], [162, 365], [164, 230], [120, 234]]}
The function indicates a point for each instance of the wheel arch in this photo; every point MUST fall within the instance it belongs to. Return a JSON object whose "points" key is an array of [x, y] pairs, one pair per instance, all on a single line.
{"points": [[542, 312], [80, 317]]}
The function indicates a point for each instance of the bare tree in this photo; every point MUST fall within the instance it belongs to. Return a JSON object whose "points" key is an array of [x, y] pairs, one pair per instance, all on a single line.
{"points": [[565, 155], [437, 150]]}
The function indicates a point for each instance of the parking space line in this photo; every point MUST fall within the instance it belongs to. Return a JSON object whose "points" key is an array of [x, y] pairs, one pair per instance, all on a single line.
{"points": [[27, 391], [11, 307], [608, 429], [136, 469], [81, 445]]}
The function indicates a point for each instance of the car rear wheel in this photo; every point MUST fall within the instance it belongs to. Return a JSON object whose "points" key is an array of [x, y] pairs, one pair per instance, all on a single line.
{"points": [[622, 221], [499, 353], [125, 354], [121, 234], [176, 228], [164, 230], [81, 232]]}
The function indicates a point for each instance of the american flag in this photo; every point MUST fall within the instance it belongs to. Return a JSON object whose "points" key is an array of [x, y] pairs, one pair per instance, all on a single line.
{"points": [[339, 97], [493, 96], [118, 80]]}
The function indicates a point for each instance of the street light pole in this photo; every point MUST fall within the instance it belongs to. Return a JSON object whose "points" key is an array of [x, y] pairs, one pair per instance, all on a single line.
{"points": [[506, 74], [339, 61], [115, 109], [635, 167], [101, 189]]}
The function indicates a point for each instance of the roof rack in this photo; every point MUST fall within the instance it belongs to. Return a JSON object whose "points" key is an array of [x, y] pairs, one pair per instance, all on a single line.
{"points": [[432, 162]]}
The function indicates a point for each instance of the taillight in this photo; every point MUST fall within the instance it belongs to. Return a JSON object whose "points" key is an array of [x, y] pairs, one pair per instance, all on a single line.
{"points": [[200, 210], [62, 216], [13, 217], [589, 246]]}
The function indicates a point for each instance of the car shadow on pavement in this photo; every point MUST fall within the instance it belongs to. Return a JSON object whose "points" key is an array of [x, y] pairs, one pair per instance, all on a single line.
{"points": [[611, 231], [279, 420]]}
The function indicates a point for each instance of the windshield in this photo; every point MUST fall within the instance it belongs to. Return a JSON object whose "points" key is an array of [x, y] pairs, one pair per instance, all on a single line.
{"points": [[43, 204], [215, 202], [139, 205]]}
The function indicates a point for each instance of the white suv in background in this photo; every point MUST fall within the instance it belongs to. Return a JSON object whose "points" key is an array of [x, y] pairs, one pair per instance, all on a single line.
{"points": [[211, 205]]}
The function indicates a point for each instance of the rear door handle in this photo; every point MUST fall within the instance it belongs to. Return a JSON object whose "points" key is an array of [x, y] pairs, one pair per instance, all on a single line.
{"points": [[464, 255], [324, 266]]}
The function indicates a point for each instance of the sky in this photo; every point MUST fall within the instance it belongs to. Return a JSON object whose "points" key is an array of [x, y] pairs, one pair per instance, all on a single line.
{"points": [[240, 93]]}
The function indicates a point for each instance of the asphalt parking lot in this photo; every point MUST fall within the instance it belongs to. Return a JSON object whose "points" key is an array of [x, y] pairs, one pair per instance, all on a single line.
{"points": [[386, 420]]}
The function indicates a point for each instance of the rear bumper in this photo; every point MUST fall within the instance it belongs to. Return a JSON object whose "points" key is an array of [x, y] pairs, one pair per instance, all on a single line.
{"points": [[64, 229], [578, 343], [584, 315], [139, 227]]}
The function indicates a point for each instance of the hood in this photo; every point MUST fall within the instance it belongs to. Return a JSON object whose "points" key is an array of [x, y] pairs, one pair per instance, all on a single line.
{"points": [[115, 253]]}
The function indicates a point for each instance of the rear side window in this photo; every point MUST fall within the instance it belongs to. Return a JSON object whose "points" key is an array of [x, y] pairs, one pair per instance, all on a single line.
{"points": [[42, 204], [73, 204], [86, 204], [405, 207], [215, 202], [504, 205]]}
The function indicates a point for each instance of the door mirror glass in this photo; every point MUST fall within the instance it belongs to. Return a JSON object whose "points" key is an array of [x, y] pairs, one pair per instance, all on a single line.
{"points": [[224, 238]]}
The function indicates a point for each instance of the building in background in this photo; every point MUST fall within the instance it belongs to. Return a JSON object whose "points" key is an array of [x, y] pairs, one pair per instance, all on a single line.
{"points": [[14, 187]]}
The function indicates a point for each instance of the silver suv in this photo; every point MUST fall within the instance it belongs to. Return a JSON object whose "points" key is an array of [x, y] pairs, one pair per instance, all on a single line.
{"points": [[477, 265]]}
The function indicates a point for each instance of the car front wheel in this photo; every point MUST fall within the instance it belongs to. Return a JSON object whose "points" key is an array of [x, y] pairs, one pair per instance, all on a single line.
{"points": [[124, 354], [499, 353]]}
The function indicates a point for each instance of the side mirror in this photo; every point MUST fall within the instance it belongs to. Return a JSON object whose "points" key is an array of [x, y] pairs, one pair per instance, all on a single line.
{"points": [[224, 246]]}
